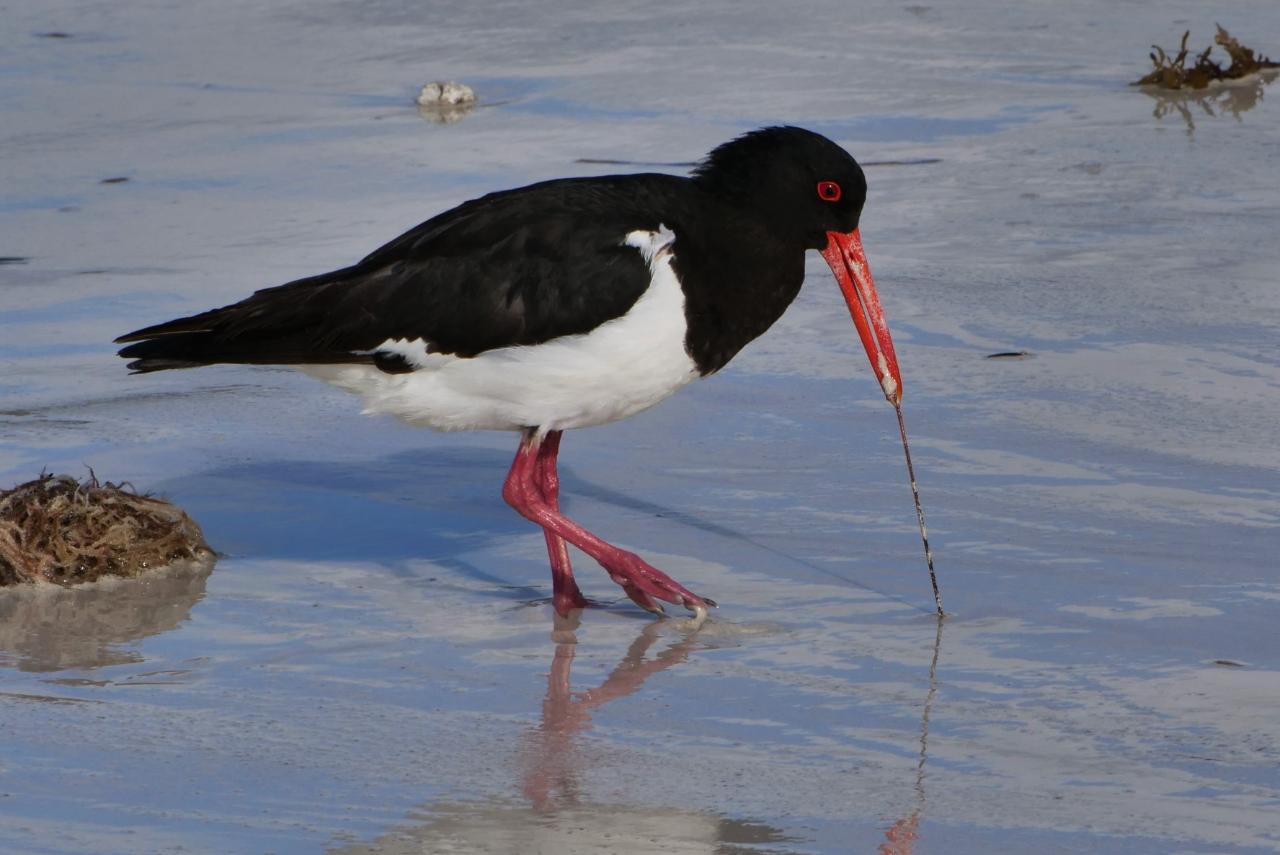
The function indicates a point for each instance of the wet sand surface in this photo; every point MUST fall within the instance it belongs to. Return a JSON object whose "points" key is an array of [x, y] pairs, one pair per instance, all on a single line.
{"points": [[373, 665]]}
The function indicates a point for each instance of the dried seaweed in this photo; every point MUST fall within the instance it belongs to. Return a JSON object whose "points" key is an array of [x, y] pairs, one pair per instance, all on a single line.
{"points": [[1172, 72], [56, 529]]}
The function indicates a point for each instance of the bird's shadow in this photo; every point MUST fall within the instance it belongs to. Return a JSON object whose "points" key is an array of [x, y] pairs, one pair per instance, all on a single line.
{"points": [[440, 504]]}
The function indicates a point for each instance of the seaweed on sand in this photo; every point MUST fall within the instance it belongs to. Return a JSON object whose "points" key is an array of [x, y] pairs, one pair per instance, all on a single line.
{"points": [[1173, 72], [56, 529]]}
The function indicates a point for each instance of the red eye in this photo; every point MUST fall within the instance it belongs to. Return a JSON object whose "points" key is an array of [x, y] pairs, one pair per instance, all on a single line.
{"points": [[829, 191]]}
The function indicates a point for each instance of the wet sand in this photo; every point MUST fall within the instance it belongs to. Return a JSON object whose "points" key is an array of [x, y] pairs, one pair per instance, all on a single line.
{"points": [[373, 664]]}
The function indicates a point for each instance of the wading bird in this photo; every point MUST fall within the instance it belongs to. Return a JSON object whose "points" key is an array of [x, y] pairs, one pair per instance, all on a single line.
{"points": [[561, 305]]}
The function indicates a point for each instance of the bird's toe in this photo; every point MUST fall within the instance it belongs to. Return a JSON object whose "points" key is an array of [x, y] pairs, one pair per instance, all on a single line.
{"points": [[641, 598], [646, 584]]}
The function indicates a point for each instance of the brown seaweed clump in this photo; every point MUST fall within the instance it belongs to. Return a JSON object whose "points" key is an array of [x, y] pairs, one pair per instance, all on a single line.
{"points": [[56, 529], [1173, 73]]}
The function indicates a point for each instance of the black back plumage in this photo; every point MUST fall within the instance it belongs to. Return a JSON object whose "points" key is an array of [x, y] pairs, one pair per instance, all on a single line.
{"points": [[524, 266], [516, 267]]}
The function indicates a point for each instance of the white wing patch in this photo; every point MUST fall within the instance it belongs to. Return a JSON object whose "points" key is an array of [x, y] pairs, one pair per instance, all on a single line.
{"points": [[652, 245], [619, 368], [413, 351]]}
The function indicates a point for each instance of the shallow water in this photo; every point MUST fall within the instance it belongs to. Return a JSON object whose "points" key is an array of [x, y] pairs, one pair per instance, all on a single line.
{"points": [[373, 665]]}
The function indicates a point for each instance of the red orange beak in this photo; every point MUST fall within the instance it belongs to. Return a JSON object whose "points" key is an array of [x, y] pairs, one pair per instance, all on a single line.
{"points": [[849, 264]]}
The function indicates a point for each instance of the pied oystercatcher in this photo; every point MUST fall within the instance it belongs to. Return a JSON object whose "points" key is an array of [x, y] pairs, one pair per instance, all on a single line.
{"points": [[564, 304]]}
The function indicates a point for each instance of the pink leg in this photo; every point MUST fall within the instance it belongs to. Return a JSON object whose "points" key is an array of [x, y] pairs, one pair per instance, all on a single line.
{"points": [[641, 581], [564, 590]]}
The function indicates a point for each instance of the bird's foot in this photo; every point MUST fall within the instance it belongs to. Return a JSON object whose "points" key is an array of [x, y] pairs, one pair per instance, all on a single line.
{"points": [[646, 585], [565, 601]]}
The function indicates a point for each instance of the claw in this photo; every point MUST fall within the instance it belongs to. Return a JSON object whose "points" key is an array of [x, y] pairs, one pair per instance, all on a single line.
{"points": [[692, 602], [643, 600]]}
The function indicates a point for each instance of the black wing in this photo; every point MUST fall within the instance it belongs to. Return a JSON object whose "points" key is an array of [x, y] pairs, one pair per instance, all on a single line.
{"points": [[517, 267]]}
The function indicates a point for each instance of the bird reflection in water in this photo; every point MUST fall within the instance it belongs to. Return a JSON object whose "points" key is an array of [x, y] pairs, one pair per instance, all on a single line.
{"points": [[550, 780], [900, 838], [556, 816]]}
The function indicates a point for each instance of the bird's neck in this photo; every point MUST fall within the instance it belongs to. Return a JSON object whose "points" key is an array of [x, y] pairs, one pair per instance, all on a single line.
{"points": [[734, 289]]}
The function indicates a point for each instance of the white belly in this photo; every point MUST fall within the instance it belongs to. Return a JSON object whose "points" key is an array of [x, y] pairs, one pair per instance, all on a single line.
{"points": [[618, 369]]}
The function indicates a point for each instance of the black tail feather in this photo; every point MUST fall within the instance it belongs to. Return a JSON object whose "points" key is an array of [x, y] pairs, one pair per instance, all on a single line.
{"points": [[194, 349], [285, 325], [193, 324]]}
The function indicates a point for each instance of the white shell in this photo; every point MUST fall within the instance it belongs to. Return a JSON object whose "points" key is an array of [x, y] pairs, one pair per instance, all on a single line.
{"points": [[447, 92]]}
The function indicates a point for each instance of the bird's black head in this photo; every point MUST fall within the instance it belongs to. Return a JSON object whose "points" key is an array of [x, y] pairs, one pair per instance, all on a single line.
{"points": [[806, 190], [801, 183]]}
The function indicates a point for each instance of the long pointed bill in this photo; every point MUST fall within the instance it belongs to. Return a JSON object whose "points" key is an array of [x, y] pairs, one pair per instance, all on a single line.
{"points": [[849, 264]]}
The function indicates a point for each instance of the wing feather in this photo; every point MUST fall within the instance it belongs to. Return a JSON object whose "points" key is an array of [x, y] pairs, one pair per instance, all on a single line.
{"points": [[513, 268]]}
